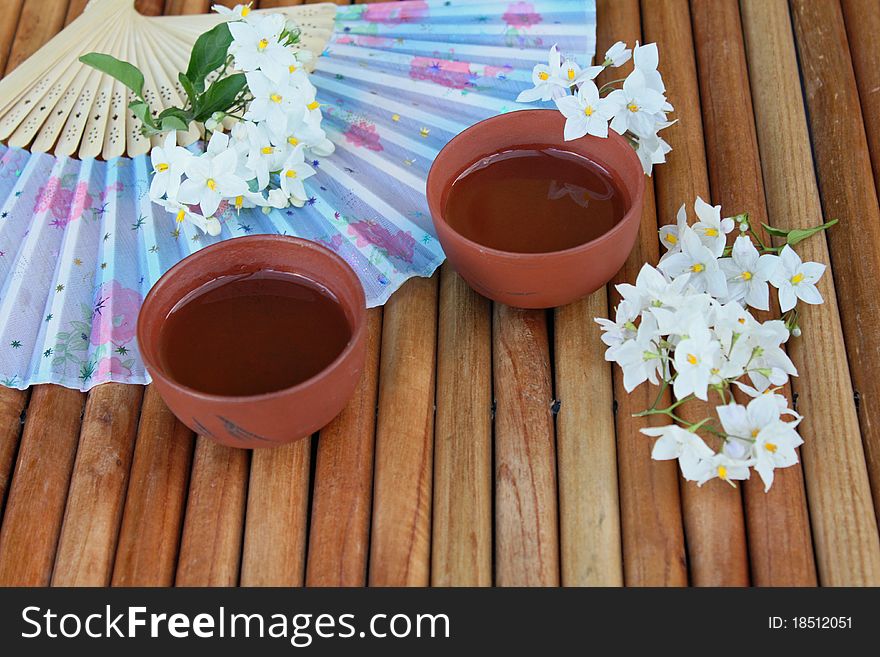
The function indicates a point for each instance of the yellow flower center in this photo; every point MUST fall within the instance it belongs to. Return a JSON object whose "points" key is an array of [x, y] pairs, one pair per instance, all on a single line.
{"points": [[267, 150], [245, 11], [276, 98], [313, 105], [264, 43], [771, 447], [239, 201], [746, 275], [544, 75], [291, 68], [181, 215], [722, 472], [692, 359], [797, 278], [742, 320], [588, 110], [632, 107], [755, 433], [161, 167], [211, 183], [571, 74], [290, 173], [711, 232], [293, 141], [672, 239], [697, 267]]}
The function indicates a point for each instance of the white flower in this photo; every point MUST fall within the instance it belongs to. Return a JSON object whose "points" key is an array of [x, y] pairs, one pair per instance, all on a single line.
{"points": [[677, 443], [636, 106], [772, 393], [570, 74], [768, 362], [263, 156], [775, 447], [652, 149], [212, 176], [256, 46], [723, 467], [621, 329], [639, 358], [238, 12], [748, 273], [547, 81], [653, 289], [646, 58], [696, 356], [670, 235], [293, 173], [711, 228], [585, 113], [182, 213], [272, 101], [697, 261], [796, 280], [168, 162], [617, 55]]}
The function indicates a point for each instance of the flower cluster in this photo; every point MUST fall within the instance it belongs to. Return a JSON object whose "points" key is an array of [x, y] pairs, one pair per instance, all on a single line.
{"points": [[247, 90], [638, 109], [686, 324]]}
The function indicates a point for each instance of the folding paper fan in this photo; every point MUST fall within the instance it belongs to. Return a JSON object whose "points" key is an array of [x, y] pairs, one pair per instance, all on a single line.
{"points": [[52, 102], [81, 243]]}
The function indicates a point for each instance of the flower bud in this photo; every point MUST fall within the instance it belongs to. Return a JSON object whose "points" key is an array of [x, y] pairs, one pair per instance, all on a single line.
{"points": [[796, 331]]}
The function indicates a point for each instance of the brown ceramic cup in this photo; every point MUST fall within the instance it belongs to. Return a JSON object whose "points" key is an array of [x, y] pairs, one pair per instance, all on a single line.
{"points": [[276, 417], [536, 280]]}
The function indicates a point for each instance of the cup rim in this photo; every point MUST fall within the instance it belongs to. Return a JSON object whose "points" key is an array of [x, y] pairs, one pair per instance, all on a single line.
{"points": [[439, 215], [156, 370]]}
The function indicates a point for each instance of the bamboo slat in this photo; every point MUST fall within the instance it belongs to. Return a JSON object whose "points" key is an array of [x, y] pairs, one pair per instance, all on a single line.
{"points": [[87, 546], [841, 514], [841, 155], [586, 451], [526, 523], [862, 27], [650, 508], [343, 484], [462, 536], [146, 553], [780, 542], [38, 493], [210, 545], [401, 533], [713, 514], [277, 511]]}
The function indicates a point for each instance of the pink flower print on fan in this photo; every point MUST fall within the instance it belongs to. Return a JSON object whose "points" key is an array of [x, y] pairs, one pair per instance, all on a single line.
{"points": [[394, 13], [115, 314], [363, 134], [521, 15], [399, 245], [455, 75], [111, 367], [65, 204]]}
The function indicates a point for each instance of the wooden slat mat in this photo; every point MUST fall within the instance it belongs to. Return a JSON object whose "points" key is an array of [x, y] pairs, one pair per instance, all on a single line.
{"points": [[488, 445]]}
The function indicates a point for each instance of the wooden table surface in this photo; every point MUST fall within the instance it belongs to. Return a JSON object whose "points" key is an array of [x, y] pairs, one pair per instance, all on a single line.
{"points": [[488, 445]]}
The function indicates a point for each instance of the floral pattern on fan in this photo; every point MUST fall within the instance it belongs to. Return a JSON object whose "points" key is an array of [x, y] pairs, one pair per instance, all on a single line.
{"points": [[81, 244]]}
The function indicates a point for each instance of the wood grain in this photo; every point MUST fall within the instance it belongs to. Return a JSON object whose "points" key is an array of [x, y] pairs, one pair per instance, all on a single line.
{"points": [[841, 155], [400, 545], [8, 24], [175, 7], [274, 551], [589, 509], [210, 545], [146, 553], [339, 537], [462, 537], [12, 405], [38, 493], [778, 525], [87, 546], [841, 514], [713, 514], [650, 508], [38, 22], [526, 523], [862, 28]]}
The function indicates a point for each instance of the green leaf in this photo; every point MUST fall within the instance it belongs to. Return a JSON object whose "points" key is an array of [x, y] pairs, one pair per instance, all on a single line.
{"points": [[142, 111], [220, 96], [173, 123], [800, 234], [208, 54], [188, 88], [776, 232], [126, 73]]}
